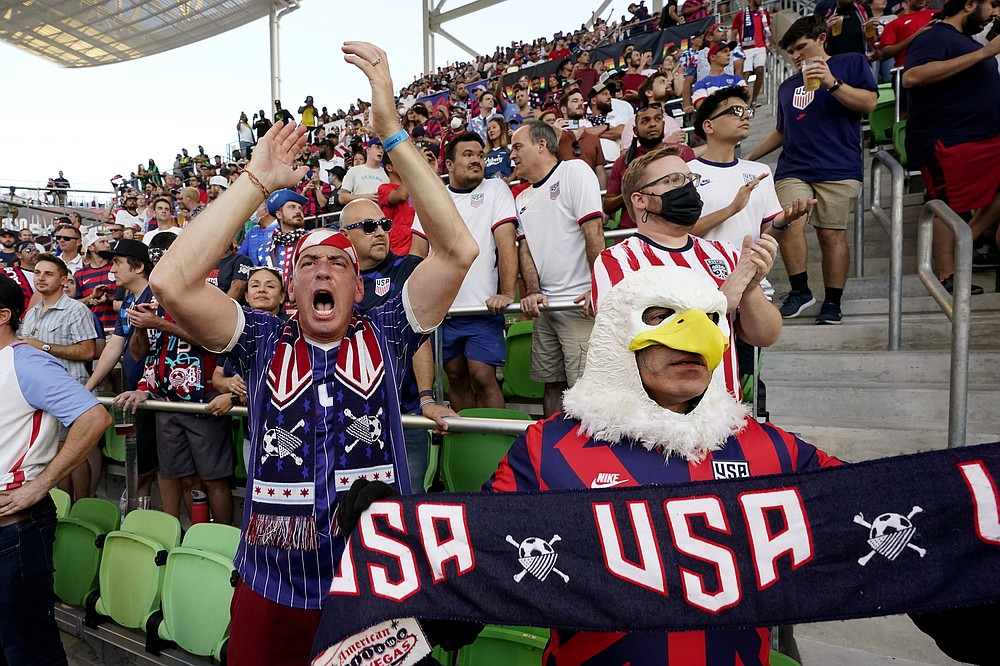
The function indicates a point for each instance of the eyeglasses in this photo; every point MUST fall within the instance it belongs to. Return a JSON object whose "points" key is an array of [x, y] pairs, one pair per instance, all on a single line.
{"points": [[577, 151], [739, 111], [672, 179], [369, 226], [66, 238]]}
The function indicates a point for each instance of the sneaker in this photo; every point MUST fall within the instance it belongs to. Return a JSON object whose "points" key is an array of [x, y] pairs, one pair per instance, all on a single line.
{"points": [[985, 260], [949, 284], [829, 314], [795, 303]]}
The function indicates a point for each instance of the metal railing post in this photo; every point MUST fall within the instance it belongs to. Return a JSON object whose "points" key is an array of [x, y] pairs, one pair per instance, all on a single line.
{"points": [[893, 225], [859, 233], [956, 306]]}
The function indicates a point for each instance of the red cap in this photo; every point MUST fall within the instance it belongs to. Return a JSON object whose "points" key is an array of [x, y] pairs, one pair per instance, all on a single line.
{"points": [[325, 237]]}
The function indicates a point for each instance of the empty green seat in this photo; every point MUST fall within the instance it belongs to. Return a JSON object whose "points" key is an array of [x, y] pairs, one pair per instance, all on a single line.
{"points": [[62, 501], [517, 381], [468, 459], [133, 566], [899, 140], [778, 659], [505, 646], [76, 555], [114, 445], [198, 587]]}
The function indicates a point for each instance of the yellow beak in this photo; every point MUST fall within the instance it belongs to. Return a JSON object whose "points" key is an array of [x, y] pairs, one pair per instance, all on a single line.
{"points": [[690, 331]]}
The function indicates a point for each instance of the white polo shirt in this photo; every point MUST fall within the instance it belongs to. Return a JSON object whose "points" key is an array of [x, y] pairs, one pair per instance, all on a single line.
{"points": [[484, 209], [550, 215]]}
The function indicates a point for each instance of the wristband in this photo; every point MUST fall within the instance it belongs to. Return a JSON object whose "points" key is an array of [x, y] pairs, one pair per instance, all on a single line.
{"points": [[424, 403], [426, 394], [235, 399], [394, 140]]}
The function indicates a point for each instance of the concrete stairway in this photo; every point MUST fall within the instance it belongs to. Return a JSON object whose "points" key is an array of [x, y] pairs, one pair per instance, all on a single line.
{"points": [[838, 387]]}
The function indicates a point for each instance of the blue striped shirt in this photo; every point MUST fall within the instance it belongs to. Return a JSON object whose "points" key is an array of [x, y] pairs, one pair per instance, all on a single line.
{"points": [[301, 579]]}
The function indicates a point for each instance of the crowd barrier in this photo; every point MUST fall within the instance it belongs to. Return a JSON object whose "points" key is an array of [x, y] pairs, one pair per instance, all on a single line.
{"points": [[893, 225]]}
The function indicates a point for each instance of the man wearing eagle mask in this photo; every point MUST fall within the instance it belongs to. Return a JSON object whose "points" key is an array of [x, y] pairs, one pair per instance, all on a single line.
{"points": [[647, 411]]}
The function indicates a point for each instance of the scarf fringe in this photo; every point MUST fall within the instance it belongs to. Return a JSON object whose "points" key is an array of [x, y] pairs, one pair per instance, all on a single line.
{"points": [[288, 532]]}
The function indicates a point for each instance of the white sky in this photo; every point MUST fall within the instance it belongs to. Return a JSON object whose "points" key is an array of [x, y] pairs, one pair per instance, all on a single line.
{"points": [[93, 123]]}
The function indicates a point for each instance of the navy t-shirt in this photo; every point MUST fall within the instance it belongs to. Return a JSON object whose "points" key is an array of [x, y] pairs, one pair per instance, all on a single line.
{"points": [[131, 367], [963, 107], [822, 137], [496, 164], [382, 282]]}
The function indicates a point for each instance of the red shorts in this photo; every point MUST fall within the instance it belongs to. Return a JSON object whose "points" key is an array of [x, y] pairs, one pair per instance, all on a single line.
{"points": [[265, 633], [966, 176]]}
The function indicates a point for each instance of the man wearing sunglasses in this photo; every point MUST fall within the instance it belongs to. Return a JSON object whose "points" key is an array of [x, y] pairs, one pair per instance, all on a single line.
{"points": [[659, 192], [474, 345], [69, 241], [322, 387]]}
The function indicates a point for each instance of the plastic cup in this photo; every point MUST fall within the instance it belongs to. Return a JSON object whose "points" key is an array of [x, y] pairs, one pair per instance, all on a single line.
{"points": [[837, 26], [869, 30], [124, 421], [811, 82]]}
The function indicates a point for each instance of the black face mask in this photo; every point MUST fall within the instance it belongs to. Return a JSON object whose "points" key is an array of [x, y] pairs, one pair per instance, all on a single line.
{"points": [[681, 206]]}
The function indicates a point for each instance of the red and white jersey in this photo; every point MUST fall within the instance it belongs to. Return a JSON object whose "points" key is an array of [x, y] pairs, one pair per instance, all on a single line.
{"points": [[38, 394], [713, 258], [550, 215], [484, 209]]}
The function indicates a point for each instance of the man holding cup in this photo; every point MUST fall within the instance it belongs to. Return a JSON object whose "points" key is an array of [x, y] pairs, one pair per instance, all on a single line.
{"points": [[819, 131]]}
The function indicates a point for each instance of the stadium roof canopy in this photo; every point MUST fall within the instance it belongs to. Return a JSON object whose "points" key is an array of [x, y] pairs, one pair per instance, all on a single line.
{"points": [[86, 33]]}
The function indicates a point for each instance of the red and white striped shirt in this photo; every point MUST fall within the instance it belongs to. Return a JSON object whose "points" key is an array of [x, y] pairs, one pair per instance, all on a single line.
{"points": [[714, 258]]}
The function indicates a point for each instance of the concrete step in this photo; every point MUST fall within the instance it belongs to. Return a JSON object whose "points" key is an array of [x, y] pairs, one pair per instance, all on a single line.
{"points": [[870, 332], [878, 641], [924, 367], [916, 305], [854, 440], [873, 402]]}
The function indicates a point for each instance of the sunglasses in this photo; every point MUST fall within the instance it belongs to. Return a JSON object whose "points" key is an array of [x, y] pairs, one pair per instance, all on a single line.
{"points": [[738, 111], [652, 105], [577, 151], [66, 238], [369, 226]]}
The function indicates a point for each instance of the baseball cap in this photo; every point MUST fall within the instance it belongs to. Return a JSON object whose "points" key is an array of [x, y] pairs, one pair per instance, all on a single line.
{"points": [[127, 248], [5, 231], [326, 237], [719, 46], [515, 119], [221, 181], [596, 90], [11, 297], [19, 247], [279, 198]]}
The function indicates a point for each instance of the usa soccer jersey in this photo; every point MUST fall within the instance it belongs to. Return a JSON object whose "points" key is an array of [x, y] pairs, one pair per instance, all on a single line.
{"points": [[554, 455]]}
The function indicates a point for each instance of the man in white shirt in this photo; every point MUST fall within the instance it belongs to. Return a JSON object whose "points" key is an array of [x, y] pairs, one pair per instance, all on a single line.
{"points": [[607, 116], [560, 234], [163, 213], [128, 216], [362, 182], [474, 345]]}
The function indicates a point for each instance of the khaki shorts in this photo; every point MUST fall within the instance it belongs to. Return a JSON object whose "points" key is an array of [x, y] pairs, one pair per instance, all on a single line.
{"points": [[559, 345], [835, 199]]}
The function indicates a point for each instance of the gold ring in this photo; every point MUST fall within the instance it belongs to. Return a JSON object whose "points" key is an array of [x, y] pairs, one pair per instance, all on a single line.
{"points": [[377, 61]]}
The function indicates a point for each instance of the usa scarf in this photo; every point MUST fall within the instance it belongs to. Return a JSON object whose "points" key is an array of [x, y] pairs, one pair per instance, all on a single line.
{"points": [[749, 32], [283, 509]]}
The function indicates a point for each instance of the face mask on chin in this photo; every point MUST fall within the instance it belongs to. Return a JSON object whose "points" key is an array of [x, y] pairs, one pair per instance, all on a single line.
{"points": [[681, 206]]}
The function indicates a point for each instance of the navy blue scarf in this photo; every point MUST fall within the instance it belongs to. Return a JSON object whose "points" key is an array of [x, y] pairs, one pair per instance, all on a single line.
{"points": [[914, 533]]}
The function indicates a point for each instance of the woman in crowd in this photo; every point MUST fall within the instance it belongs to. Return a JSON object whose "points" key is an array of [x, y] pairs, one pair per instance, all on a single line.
{"points": [[497, 161]]}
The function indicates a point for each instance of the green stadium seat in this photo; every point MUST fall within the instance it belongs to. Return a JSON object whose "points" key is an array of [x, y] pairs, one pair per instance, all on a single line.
{"points": [[778, 659], [133, 566], [114, 445], [62, 501], [468, 459], [76, 555], [198, 587], [517, 382], [899, 140], [505, 646]]}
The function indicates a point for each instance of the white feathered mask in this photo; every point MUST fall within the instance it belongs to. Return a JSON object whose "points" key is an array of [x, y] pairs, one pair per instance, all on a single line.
{"points": [[609, 399]]}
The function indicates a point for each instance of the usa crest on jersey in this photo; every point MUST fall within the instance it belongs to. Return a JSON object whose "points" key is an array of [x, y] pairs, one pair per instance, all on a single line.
{"points": [[554, 191], [382, 286], [802, 97], [477, 199]]}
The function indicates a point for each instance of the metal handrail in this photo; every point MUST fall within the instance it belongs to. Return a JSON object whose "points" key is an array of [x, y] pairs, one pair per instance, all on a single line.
{"points": [[893, 225], [956, 306]]}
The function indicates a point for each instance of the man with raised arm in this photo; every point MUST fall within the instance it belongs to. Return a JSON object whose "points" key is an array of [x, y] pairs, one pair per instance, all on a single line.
{"points": [[322, 388]]}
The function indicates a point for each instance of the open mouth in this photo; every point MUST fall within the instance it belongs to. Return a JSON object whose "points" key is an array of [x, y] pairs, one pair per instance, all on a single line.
{"points": [[323, 303]]}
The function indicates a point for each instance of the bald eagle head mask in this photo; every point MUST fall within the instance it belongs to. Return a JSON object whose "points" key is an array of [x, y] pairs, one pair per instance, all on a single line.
{"points": [[609, 399]]}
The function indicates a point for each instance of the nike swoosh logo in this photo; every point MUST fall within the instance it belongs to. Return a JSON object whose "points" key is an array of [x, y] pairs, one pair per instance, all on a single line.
{"points": [[608, 484]]}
